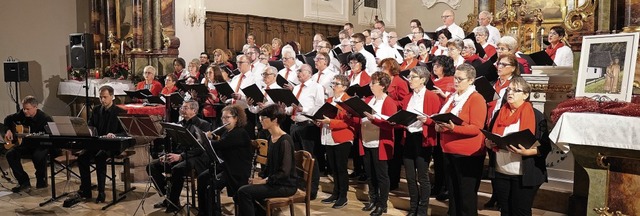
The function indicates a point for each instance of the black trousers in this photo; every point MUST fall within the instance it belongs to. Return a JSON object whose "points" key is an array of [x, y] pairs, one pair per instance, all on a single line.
{"points": [[305, 136], [395, 163], [416, 165], [206, 203], [247, 195], [338, 156], [358, 165], [38, 157], [99, 157], [378, 177], [440, 177], [178, 171], [513, 198], [464, 173]]}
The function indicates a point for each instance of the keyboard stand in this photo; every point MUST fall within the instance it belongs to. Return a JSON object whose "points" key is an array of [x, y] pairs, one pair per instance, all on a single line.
{"points": [[54, 197]]}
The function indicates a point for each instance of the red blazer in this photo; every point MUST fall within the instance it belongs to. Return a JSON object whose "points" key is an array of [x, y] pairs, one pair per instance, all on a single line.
{"points": [[365, 79], [524, 64], [156, 87], [445, 84], [398, 90], [385, 149], [208, 110], [166, 91], [466, 139], [430, 106], [341, 127]]}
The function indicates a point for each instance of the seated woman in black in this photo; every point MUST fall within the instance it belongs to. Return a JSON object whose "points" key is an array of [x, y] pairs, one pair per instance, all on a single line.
{"points": [[234, 148], [280, 172]]}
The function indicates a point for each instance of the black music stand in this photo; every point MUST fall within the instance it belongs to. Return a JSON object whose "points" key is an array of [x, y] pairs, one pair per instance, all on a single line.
{"points": [[182, 137]]}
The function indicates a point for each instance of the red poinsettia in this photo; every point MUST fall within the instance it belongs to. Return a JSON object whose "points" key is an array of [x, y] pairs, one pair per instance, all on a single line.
{"points": [[117, 71]]}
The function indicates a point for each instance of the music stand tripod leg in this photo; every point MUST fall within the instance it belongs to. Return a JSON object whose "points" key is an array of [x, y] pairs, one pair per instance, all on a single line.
{"points": [[53, 182]]}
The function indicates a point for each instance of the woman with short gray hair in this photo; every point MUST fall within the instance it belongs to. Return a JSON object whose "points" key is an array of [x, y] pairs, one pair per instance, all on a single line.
{"points": [[469, 53], [411, 54]]}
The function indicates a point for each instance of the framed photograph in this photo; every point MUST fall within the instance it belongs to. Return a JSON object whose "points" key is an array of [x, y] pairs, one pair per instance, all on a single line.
{"points": [[607, 66]]}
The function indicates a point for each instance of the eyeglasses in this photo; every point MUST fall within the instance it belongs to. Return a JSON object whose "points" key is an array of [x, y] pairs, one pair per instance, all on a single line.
{"points": [[267, 74], [355, 42], [408, 51], [459, 79], [502, 64], [319, 59], [413, 77], [227, 117], [502, 49], [335, 83], [185, 108], [286, 58], [514, 90]]}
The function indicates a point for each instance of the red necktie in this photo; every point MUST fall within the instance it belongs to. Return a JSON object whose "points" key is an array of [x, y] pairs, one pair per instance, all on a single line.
{"points": [[293, 114], [319, 74], [286, 75], [251, 67], [238, 86], [265, 93]]}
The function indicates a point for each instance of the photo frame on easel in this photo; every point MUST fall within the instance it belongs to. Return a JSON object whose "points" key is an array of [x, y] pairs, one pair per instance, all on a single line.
{"points": [[607, 66]]}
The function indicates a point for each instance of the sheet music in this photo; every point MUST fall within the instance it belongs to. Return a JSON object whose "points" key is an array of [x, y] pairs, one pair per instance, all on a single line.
{"points": [[54, 128]]}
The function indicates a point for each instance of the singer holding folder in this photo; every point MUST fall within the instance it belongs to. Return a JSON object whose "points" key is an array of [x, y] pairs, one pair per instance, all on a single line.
{"points": [[377, 143], [234, 148], [518, 172], [419, 140], [462, 145], [337, 135]]}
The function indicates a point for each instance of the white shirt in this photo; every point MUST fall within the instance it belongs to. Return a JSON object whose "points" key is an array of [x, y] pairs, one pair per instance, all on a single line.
{"points": [[442, 50], [372, 65], [335, 64], [326, 76], [459, 61], [355, 79], [293, 74], [385, 37], [371, 132], [494, 35], [268, 100], [385, 51], [246, 81], [184, 74], [564, 56], [456, 31], [257, 70], [416, 102], [506, 162], [311, 98]]}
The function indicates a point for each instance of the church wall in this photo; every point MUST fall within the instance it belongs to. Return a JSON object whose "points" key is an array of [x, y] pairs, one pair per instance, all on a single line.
{"points": [[38, 32]]}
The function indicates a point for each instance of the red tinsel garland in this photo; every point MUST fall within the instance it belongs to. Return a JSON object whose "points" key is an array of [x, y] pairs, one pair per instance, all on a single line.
{"points": [[591, 105]]}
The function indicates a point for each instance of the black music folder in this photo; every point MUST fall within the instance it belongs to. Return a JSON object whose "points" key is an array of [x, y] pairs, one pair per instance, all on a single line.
{"points": [[155, 100], [405, 74], [309, 59], [360, 91], [430, 86], [487, 70], [479, 48], [432, 35], [343, 58], [337, 51], [254, 93], [404, 41], [485, 89], [369, 48], [174, 98], [277, 64], [201, 89], [224, 89], [138, 94], [356, 107], [281, 81], [327, 110], [523, 137], [403, 117], [283, 95], [540, 58], [446, 117], [300, 58]]}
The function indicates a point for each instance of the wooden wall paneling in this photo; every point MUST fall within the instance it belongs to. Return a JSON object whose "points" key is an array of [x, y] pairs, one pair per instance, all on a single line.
{"points": [[334, 30], [274, 30], [216, 32], [237, 31], [290, 31], [320, 29], [258, 27], [306, 36]]}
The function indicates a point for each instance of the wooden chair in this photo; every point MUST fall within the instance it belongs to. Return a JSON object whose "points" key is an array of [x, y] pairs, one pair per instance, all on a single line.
{"points": [[304, 167]]}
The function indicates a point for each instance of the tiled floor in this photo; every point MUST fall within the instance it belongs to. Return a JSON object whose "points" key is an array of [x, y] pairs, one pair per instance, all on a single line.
{"points": [[27, 203]]}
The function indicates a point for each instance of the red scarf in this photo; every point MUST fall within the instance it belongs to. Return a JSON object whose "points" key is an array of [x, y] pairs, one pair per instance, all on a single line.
{"points": [[524, 114], [471, 58], [551, 50]]}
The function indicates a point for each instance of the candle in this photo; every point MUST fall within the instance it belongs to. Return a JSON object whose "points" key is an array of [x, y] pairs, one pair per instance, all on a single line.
{"points": [[100, 47], [122, 47]]}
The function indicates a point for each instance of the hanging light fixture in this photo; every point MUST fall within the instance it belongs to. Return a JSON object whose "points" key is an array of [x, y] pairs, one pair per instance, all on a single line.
{"points": [[195, 14]]}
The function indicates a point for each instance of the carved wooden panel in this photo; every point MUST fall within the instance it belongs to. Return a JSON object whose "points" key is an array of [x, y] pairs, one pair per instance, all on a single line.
{"points": [[274, 30], [216, 32], [237, 31], [291, 31], [229, 31], [305, 37], [258, 27]]}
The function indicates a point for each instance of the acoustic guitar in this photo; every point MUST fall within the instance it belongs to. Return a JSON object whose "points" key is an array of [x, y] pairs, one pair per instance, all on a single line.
{"points": [[21, 131]]}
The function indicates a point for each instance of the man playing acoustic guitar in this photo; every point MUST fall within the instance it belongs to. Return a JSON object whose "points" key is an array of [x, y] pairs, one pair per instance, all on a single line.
{"points": [[32, 120]]}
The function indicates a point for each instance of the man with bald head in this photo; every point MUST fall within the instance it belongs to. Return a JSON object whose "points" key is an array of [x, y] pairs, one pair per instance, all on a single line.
{"points": [[484, 19], [448, 19]]}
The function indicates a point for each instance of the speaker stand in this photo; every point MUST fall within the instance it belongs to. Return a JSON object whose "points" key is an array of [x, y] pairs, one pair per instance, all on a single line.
{"points": [[17, 99]]}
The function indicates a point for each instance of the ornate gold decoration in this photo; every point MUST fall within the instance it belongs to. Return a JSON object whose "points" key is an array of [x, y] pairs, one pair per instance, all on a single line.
{"points": [[517, 20], [551, 88], [574, 21], [601, 162], [471, 23], [605, 212]]}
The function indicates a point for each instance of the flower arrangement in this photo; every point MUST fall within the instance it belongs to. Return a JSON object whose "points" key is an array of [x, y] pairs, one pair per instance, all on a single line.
{"points": [[74, 74], [117, 71]]}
